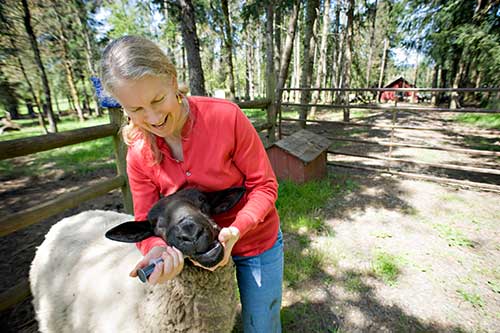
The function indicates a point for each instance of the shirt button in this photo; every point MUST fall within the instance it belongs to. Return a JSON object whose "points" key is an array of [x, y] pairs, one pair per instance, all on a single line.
{"points": [[188, 173]]}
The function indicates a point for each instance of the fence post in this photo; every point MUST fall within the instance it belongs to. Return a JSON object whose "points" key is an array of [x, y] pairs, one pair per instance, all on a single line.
{"points": [[115, 117]]}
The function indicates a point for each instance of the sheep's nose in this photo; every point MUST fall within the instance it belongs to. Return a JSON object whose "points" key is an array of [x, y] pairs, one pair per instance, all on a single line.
{"points": [[190, 231], [189, 237]]}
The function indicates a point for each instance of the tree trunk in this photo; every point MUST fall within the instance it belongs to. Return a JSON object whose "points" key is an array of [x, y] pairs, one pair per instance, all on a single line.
{"points": [[41, 68], [258, 65], [434, 84], [454, 102], [85, 96], [348, 57], [183, 64], [340, 53], [287, 54], [192, 44], [71, 104], [270, 73], [251, 63], [228, 43], [287, 50], [382, 67], [442, 82], [10, 100], [296, 66], [277, 41], [335, 52], [68, 66], [81, 19], [40, 116], [322, 55], [372, 43], [308, 61], [247, 67]]}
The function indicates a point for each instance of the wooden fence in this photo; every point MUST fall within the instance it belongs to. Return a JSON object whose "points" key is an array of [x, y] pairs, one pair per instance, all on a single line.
{"points": [[394, 109], [32, 215]]}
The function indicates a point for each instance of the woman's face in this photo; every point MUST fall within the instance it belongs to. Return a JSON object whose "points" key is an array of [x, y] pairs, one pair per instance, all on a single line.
{"points": [[151, 103]]}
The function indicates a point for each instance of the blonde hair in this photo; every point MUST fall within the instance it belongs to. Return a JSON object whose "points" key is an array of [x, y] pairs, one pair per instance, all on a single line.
{"points": [[132, 58]]}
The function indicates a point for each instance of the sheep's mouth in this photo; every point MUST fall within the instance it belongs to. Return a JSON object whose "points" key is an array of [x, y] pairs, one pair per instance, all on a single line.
{"points": [[211, 257]]}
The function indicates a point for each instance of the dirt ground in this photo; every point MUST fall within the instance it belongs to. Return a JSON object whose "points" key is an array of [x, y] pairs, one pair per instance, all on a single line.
{"points": [[444, 240]]}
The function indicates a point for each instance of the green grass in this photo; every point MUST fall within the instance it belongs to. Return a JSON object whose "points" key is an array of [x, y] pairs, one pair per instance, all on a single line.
{"points": [[481, 143], [474, 299], [310, 317], [63, 106], [491, 121], [80, 158], [386, 266], [452, 235], [354, 283], [30, 127], [256, 114], [300, 206], [259, 114], [301, 265], [301, 209]]}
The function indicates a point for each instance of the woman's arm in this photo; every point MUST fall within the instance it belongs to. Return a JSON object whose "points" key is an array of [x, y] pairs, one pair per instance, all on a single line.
{"points": [[251, 159], [144, 194]]}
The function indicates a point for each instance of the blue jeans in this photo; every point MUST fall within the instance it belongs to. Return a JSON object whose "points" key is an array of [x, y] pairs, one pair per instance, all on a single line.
{"points": [[260, 283]]}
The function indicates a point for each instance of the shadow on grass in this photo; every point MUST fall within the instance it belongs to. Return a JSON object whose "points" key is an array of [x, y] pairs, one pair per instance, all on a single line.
{"points": [[320, 297]]}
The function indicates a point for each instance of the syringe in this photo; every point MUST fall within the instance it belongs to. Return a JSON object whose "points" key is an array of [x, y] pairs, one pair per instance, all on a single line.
{"points": [[144, 273]]}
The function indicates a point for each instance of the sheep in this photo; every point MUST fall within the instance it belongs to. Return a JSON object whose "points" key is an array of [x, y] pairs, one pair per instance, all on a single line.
{"points": [[79, 279]]}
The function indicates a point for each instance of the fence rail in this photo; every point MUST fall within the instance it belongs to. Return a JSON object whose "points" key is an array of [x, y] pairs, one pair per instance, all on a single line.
{"points": [[486, 89], [35, 144], [394, 109]]}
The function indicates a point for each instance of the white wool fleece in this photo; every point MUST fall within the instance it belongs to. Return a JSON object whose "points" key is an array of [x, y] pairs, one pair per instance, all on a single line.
{"points": [[80, 283]]}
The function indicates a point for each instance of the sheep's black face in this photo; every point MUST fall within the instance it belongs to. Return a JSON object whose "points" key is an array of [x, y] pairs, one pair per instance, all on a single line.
{"points": [[186, 227], [182, 220]]}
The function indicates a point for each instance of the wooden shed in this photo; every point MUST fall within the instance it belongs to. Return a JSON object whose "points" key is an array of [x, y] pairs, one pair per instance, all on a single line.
{"points": [[400, 82], [299, 157]]}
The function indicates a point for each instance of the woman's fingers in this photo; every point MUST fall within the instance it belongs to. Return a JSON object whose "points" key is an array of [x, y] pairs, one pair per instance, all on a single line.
{"points": [[172, 265], [175, 259], [155, 276], [141, 264], [168, 265]]}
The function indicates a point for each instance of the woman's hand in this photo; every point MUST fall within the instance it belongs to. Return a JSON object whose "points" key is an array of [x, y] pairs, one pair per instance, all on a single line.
{"points": [[172, 265], [228, 237]]}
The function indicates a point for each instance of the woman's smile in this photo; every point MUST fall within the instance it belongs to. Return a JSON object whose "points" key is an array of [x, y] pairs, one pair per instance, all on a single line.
{"points": [[162, 124]]}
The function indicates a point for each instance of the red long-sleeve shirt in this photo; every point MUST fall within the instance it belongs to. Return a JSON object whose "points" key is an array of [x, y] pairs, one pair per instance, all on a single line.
{"points": [[221, 149]]}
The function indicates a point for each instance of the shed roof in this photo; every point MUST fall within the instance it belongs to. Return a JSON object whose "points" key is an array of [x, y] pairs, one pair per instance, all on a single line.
{"points": [[304, 145], [396, 80]]}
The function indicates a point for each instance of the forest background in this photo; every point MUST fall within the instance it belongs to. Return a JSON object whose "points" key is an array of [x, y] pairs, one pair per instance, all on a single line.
{"points": [[50, 49]]}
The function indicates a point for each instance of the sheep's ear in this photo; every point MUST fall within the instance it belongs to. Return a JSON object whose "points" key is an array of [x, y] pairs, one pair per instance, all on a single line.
{"points": [[157, 209], [222, 201], [131, 232]]}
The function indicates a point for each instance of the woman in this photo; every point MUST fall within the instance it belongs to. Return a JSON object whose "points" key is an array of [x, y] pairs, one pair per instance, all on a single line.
{"points": [[176, 142]]}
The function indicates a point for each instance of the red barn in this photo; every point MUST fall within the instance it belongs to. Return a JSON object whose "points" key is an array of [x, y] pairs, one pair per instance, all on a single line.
{"points": [[299, 157], [400, 82]]}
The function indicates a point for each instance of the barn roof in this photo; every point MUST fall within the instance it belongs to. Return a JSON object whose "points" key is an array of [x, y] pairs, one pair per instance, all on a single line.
{"points": [[396, 80], [304, 145]]}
